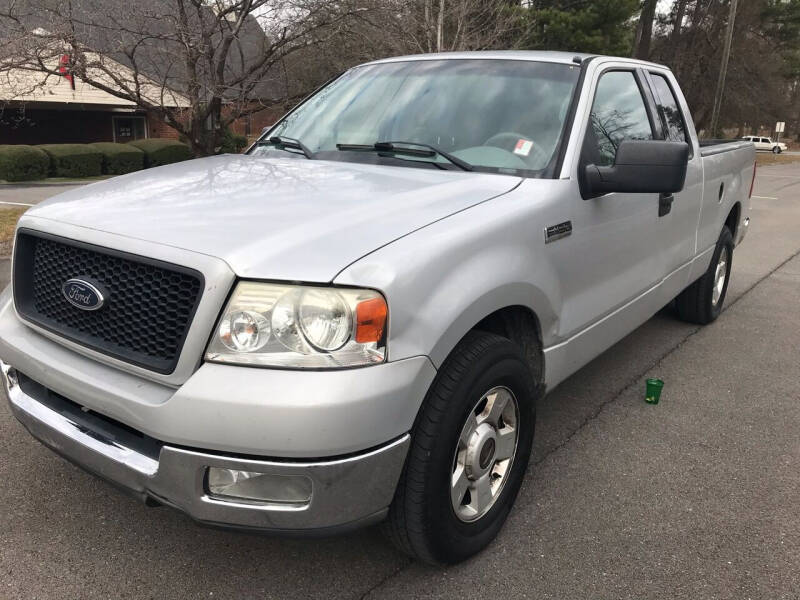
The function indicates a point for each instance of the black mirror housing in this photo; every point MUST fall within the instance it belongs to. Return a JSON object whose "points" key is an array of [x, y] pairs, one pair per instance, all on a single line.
{"points": [[640, 166]]}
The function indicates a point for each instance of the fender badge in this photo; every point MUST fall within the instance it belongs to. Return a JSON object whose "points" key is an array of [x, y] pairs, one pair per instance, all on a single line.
{"points": [[556, 232]]}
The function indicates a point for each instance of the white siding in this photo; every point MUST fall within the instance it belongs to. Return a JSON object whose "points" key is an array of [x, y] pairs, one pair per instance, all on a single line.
{"points": [[31, 86]]}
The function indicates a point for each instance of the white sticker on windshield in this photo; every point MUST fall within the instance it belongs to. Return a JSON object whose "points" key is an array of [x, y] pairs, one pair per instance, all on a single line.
{"points": [[523, 147]]}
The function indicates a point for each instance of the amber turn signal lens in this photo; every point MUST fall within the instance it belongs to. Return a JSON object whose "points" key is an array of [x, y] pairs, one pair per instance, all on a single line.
{"points": [[370, 320]]}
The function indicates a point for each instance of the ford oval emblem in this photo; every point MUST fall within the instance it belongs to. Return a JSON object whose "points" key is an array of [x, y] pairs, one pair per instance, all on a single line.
{"points": [[83, 294]]}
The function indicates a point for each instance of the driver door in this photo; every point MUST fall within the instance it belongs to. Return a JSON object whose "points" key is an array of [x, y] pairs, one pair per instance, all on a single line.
{"points": [[613, 256]]}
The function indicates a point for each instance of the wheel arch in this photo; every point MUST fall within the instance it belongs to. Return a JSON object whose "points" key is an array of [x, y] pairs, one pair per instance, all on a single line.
{"points": [[732, 220], [521, 325], [505, 312]]}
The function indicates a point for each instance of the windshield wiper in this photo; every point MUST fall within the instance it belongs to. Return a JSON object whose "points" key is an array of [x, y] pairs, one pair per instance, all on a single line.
{"points": [[282, 142], [395, 148]]}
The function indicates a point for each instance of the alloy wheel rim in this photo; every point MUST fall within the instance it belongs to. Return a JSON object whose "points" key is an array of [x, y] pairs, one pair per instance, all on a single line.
{"points": [[720, 275], [484, 454]]}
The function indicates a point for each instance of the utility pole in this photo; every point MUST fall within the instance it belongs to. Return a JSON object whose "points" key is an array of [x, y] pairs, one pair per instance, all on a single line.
{"points": [[723, 71]]}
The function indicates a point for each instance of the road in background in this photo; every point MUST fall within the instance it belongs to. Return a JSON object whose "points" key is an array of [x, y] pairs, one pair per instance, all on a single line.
{"points": [[28, 194], [693, 498]]}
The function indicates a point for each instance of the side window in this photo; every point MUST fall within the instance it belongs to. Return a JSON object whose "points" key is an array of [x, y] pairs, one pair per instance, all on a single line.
{"points": [[618, 114], [670, 112]]}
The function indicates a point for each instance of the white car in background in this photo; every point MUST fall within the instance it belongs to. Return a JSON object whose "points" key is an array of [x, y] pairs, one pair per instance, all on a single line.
{"points": [[766, 144]]}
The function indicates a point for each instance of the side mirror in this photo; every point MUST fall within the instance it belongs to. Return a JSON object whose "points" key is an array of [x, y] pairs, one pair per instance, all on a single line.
{"points": [[642, 167]]}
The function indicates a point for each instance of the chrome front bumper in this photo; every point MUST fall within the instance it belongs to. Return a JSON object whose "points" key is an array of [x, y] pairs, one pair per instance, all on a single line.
{"points": [[346, 492]]}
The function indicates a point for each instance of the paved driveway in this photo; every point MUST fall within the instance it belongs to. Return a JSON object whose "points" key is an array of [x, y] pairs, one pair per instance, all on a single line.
{"points": [[694, 498], [29, 194]]}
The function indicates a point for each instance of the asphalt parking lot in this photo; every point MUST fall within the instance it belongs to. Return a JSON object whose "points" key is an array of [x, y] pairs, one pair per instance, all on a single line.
{"points": [[694, 498]]}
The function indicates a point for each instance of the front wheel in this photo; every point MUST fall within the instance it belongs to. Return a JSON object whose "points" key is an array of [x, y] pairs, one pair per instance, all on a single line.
{"points": [[702, 301], [469, 453], [776, 150]]}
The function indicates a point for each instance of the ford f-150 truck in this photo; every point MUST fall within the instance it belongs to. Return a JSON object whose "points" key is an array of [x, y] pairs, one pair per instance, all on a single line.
{"points": [[353, 321]]}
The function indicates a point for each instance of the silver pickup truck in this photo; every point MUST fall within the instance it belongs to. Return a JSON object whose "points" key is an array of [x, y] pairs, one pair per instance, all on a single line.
{"points": [[353, 321]]}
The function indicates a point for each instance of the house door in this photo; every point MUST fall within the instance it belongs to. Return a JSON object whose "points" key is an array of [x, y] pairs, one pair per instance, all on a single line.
{"points": [[127, 129]]}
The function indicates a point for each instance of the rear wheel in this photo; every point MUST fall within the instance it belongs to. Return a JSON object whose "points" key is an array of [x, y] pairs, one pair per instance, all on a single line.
{"points": [[702, 301], [469, 453]]}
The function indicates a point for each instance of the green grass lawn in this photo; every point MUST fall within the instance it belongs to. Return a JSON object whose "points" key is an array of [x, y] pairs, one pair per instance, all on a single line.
{"points": [[8, 221], [768, 158]]}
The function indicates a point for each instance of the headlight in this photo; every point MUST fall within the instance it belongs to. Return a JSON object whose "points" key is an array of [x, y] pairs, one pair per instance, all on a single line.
{"points": [[300, 326]]}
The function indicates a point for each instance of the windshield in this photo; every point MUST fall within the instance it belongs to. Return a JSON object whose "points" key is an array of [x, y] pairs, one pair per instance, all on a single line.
{"points": [[496, 115]]}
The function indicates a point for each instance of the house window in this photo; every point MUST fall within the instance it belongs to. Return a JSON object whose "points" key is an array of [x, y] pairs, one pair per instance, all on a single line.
{"points": [[127, 129]]}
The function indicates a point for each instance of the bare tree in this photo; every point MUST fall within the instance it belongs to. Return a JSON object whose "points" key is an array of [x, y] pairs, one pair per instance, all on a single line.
{"points": [[222, 57], [396, 27], [679, 10], [680, 13], [644, 29], [763, 69], [449, 25]]}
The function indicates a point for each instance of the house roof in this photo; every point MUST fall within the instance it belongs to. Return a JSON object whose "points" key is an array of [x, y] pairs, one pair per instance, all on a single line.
{"points": [[23, 85], [139, 35]]}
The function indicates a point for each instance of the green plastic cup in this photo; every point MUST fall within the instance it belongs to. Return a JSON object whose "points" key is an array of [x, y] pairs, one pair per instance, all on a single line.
{"points": [[653, 393]]}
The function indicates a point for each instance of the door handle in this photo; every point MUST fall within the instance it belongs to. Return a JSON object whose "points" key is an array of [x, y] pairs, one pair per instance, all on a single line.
{"points": [[665, 204]]}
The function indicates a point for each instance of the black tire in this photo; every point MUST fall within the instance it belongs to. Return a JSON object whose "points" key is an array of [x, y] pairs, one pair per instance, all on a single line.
{"points": [[776, 150], [695, 304], [422, 521]]}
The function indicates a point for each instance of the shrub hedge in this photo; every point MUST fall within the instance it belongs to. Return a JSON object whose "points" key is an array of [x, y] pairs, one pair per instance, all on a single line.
{"points": [[159, 151], [119, 159], [233, 143], [23, 163], [73, 160]]}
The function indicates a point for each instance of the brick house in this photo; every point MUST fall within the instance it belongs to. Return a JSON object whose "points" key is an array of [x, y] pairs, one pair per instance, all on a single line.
{"points": [[55, 113], [252, 125], [38, 108]]}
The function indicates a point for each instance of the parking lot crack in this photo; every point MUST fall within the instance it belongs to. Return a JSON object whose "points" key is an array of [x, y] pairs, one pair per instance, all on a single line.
{"points": [[407, 563]]}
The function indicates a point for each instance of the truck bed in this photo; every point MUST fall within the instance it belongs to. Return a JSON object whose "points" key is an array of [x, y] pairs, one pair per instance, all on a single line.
{"points": [[710, 147]]}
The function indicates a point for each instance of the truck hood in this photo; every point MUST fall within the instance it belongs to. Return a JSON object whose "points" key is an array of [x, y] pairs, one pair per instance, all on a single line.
{"points": [[288, 219]]}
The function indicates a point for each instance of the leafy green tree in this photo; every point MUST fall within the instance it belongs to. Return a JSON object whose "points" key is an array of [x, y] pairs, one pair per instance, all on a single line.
{"points": [[783, 18], [593, 26]]}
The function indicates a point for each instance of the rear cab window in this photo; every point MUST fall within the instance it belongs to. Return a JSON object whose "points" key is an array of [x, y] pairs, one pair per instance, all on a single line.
{"points": [[669, 111]]}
